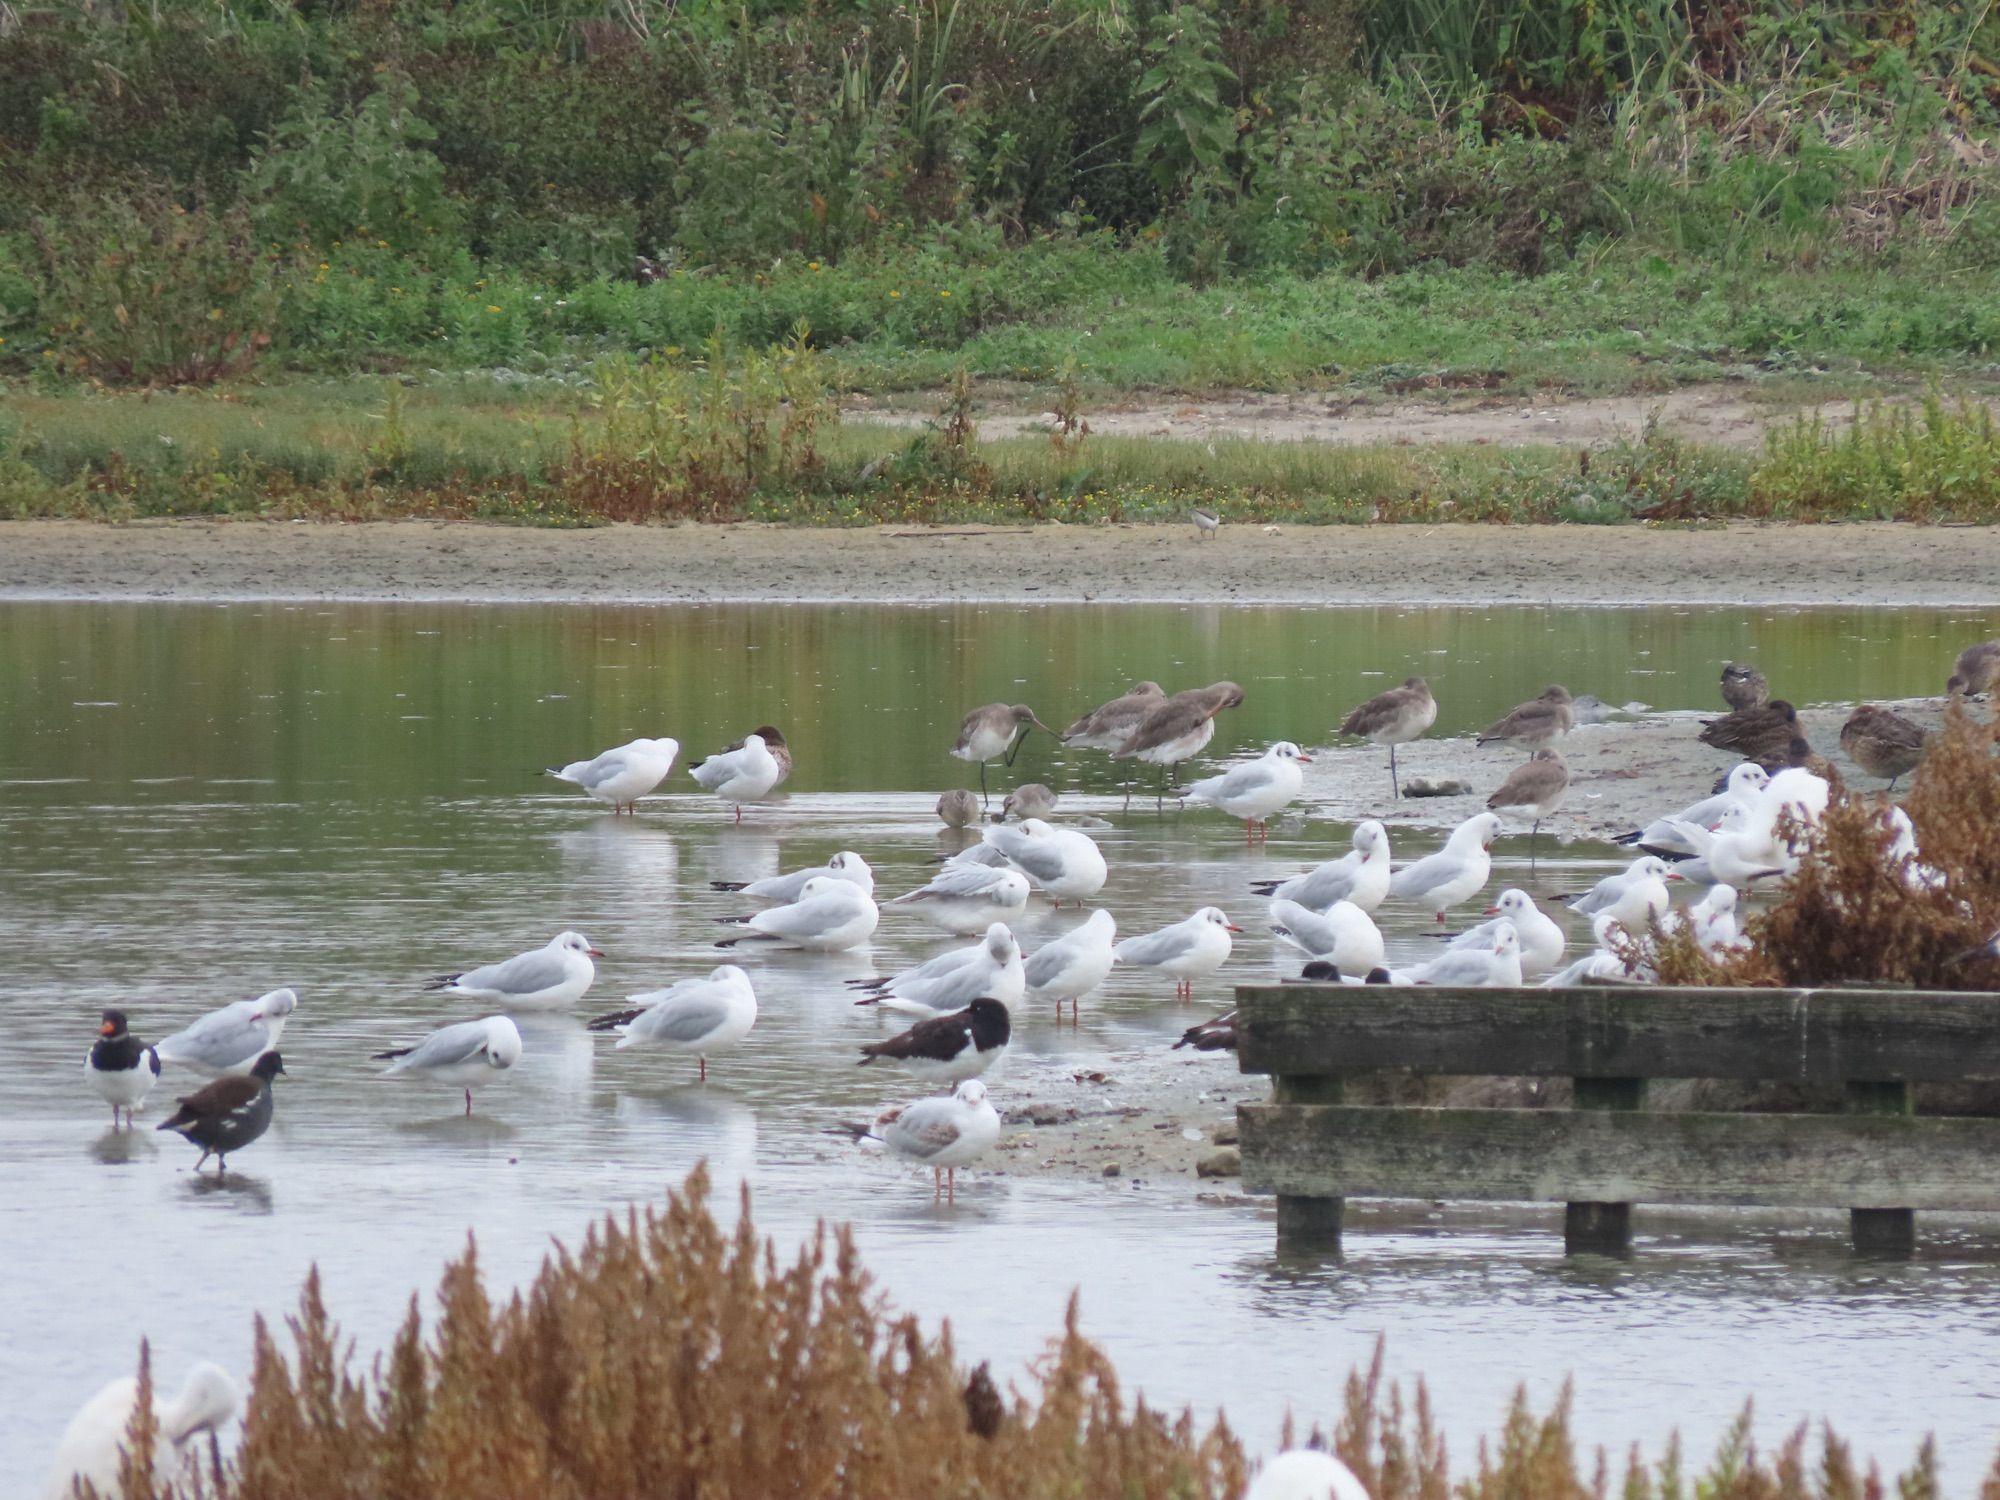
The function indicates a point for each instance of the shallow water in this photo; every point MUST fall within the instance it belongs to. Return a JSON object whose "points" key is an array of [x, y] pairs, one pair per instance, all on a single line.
{"points": [[198, 803]]}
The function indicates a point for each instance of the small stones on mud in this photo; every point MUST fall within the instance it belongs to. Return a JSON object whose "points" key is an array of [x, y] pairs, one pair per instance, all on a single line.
{"points": [[1050, 1114], [1224, 1162], [1163, 1125], [1225, 1133], [1091, 1077], [1444, 786], [1112, 1169]]}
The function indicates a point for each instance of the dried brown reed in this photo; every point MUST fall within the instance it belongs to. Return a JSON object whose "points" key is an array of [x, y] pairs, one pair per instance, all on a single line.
{"points": [[1851, 915], [669, 1357]]}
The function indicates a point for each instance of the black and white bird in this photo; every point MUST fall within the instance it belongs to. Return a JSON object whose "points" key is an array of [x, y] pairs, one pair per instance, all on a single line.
{"points": [[121, 1068], [949, 1049], [228, 1114]]}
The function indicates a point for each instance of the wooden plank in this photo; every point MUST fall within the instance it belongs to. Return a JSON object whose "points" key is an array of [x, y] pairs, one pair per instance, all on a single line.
{"points": [[1798, 1036], [1620, 1156]]}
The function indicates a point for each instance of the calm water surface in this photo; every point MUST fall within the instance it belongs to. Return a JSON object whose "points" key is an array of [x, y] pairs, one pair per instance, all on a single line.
{"points": [[199, 803]]}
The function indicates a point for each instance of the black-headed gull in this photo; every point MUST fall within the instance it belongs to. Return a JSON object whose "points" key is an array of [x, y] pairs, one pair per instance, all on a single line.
{"points": [[1306, 1474], [738, 776], [966, 897], [1904, 857], [228, 1114], [120, 1068], [991, 967], [1190, 949], [948, 1048], [1394, 718], [1883, 743], [1633, 897], [779, 889], [1712, 920], [1543, 942], [1534, 723], [1743, 686], [1744, 784], [1535, 787], [1256, 789], [1740, 850], [1065, 864], [94, 1446], [994, 731], [557, 973], [463, 1056], [699, 1016], [943, 1133], [1360, 876], [1074, 964], [623, 775], [1600, 965], [1178, 728], [228, 1042], [1110, 725], [830, 916], [1457, 871], [1344, 935], [774, 743], [1495, 963]]}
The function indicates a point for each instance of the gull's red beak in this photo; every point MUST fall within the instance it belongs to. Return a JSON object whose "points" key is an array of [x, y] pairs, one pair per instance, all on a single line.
{"points": [[1307, 759], [1675, 875], [595, 952], [1231, 927], [1491, 910]]}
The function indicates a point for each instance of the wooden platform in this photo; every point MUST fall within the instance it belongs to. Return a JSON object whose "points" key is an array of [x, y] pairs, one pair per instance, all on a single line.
{"points": [[1609, 1152]]}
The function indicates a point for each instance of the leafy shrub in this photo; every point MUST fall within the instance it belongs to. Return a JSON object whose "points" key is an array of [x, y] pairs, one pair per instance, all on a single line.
{"points": [[142, 290], [1937, 463]]}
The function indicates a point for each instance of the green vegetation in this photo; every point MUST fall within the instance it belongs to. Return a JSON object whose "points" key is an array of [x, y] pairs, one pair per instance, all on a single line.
{"points": [[668, 1356]]}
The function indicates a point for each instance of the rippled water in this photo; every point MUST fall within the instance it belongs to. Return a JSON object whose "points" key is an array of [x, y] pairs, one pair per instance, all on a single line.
{"points": [[200, 803]]}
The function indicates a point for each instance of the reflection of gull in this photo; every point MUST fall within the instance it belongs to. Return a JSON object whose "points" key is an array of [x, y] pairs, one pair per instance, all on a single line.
{"points": [[693, 1125], [1360, 876], [701, 1015], [230, 1040], [635, 855], [830, 916], [624, 775], [471, 1052], [93, 1446], [964, 898], [555, 974], [560, 1054]]}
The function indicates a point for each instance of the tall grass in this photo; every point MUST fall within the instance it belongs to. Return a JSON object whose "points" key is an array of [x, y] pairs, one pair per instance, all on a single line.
{"points": [[669, 1357]]}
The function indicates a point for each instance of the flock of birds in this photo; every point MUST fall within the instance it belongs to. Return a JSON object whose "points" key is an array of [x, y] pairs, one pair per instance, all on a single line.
{"points": [[964, 1001]]}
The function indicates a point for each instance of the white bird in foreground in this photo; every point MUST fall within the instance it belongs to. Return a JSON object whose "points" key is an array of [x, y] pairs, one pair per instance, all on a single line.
{"points": [[701, 1015], [1074, 964], [944, 1133], [1496, 963], [1345, 935], [1741, 849], [1256, 789], [965, 897], [557, 973], [228, 1042], [1799, 793], [1456, 871], [1745, 784], [739, 776], [1712, 920], [1632, 897], [1306, 1474], [830, 916], [93, 1446], [990, 969], [1188, 950], [624, 775], [779, 889], [1066, 864], [1542, 939], [1360, 876], [464, 1055]]}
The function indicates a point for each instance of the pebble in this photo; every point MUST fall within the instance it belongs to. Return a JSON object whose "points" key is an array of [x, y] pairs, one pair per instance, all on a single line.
{"points": [[1423, 786], [1112, 1169], [1225, 1162], [1225, 1133]]}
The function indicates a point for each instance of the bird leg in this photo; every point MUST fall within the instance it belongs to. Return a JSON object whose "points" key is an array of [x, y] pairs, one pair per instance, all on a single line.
{"points": [[1015, 748], [984, 798], [1395, 791], [205, 1154], [704, 1071], [468, 1103], [739, 812], [937, 1184], [951, 1184], [1533, 834], [1440, 917]]}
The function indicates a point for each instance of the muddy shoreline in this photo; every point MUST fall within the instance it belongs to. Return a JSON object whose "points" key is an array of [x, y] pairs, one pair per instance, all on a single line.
{"points": [[420, 561]]}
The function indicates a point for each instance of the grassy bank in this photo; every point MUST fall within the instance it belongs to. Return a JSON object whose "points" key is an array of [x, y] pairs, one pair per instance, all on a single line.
{"points": [[669, 1356]]}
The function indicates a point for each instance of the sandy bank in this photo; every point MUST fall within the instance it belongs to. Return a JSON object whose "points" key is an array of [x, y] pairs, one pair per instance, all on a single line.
{"points": [[414, 560]]}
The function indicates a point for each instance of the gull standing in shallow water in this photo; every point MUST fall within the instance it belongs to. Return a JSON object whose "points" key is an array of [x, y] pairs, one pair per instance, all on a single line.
{"points": [[121, 1069], [94, 1445], [1361, 876], [1632, 897], [624, 775], [1744, 784], [748, 774], [1535, 722], [942, 1133], [965, 897], [951, 1047], [1178, 729], [846, 865], [1536, 787], [1066, 864], [1074, 964], [990, 968], [830, 916], [557, 973], [1394, 718], [1345, 935], [228, 1042], [994, 731], [1187, 950], [471, 1052], [774, 745], [1257, 788], [711, 1013], [1458, 870]]}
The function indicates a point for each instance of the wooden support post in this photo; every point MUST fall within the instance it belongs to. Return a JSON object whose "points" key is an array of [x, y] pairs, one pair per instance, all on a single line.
{"points": [[1309, 1223], [1602, 1228], [1887, 1233]]}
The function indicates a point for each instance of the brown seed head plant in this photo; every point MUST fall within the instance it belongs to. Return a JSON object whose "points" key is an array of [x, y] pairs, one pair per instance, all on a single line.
{"points": [[1850, 915], [669, 1359]]}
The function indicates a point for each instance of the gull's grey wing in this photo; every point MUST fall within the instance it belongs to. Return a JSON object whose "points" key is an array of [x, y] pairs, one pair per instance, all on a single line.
{"points": [[1425, 876], [964, 881], [524, 974], [1156, 947], [220, 1039], [1467, 966], [444, 1048], [1605, 893], [1312, 932], [927, 1127], [784, 888], [803, 918], [1319, 888], [1046, 962], [1039, 860], [686, 1018], [935, 968]]}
